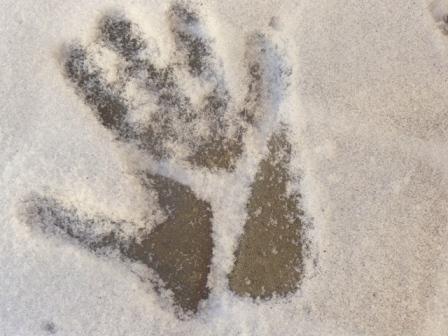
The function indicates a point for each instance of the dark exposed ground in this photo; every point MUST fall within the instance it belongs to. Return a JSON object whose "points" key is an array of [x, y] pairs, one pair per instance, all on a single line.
{"points": [[179, 249], [269, 257], [174, 118]]}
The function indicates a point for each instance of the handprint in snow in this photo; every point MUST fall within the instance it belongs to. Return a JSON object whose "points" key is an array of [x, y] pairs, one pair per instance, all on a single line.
{"points": [[183, 110]]}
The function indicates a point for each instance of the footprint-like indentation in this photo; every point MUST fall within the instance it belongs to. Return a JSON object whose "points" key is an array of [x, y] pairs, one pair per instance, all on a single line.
{"points": [[439, 12], [183, 110]]}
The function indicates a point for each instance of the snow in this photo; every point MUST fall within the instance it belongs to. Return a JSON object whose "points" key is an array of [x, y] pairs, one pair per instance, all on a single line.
{"points": [[366, 105]]}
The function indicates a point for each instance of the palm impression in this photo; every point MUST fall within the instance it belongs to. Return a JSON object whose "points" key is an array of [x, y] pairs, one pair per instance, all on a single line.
{"points": [[182, 109]]}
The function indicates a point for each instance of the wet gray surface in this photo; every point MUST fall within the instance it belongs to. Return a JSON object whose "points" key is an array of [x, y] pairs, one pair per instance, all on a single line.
{"points": [[269, 257], [175, 119], [179, 250]]}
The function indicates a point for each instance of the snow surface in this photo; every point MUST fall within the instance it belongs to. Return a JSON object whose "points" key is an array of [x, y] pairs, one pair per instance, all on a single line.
{"points": [[367, 105]]}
